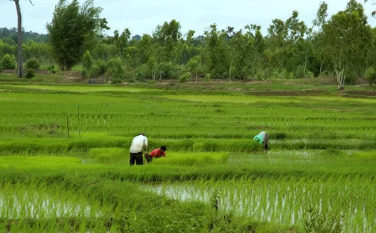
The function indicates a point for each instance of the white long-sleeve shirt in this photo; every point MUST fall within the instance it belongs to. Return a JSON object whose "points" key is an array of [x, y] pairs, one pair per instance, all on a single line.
{"points": [[139, 143]]}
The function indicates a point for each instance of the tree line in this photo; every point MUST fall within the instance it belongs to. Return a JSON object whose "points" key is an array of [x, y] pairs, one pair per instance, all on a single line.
{"points": [[342, 46]]}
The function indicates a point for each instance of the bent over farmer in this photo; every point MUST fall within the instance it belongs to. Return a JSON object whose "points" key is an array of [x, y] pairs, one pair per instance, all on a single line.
{"points": [[262, 138], [157, 153], [139, 144]]}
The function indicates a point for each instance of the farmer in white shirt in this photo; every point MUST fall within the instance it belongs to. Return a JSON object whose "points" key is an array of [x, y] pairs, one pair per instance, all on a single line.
{"points": [[139, 143]]}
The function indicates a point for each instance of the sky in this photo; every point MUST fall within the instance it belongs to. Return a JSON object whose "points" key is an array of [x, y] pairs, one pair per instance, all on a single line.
{"points": [[143, 16]]}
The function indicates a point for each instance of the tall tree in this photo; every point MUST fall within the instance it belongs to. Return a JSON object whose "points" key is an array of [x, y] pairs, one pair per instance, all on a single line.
{"points": [[19, 38], [217, 52], [73, 30], [346, 39], [285, 49], [318, 24], [168, 36]]}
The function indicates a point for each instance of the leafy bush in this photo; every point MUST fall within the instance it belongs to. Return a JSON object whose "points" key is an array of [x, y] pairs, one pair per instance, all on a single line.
{"points": [[143, 72], [30, 73], [99, 68], [207, 77], [185, 77], [115, 70], [299, 72], [52, 69], [166, 70], [8, 62], [87, 65], [260, 74], [370, 75], [31, 65]]}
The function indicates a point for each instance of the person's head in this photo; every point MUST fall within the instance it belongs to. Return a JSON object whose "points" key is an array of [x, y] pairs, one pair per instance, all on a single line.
{"points": [[164, 148], [143, 134]]}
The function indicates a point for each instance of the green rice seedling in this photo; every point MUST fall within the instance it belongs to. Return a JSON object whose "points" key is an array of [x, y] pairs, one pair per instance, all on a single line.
{"points": [[191, 159], [286, 202], [321, 158], [109, 155]]}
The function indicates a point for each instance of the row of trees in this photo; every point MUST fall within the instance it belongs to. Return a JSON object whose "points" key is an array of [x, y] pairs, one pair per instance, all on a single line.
{"points": [[343, 46]]}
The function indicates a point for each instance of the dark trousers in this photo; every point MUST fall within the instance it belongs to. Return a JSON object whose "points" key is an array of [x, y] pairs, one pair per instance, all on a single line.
{"points": [[266, 142], [148, 158], [136, 157]]}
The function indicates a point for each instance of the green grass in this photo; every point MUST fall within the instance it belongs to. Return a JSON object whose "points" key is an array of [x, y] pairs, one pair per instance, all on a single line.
{"points": [[319, 173]]}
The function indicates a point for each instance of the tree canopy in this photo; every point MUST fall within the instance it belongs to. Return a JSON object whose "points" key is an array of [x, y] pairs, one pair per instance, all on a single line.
{"points": [[73, 30]]}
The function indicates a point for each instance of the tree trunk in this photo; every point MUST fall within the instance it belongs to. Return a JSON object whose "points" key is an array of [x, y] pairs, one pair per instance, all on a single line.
{"points": [[230, 69], [321, 66], [305, 62], [340, 76], [19, 40]]}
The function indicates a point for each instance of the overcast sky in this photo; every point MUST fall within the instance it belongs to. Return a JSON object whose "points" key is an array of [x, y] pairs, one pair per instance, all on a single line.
{"points": [[142, 16]]}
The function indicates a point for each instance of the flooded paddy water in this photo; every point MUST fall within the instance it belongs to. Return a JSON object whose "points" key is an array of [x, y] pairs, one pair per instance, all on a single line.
{"points": [[37, 205], [283, 202]]}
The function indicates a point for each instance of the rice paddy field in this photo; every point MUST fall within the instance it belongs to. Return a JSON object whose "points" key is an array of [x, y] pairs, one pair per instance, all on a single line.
{"points": [[64, 159]]}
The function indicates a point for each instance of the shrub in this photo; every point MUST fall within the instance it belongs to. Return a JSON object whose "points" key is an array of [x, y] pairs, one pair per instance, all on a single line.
{"points": [[370, 75], [143, 72], [99, 68], [115, 70], [32, 65], [166, 70], [52, 69], [87, 65], [299, 72], [30, 73], [8, 62], [260, 74], [185, 77], [207, 77]]}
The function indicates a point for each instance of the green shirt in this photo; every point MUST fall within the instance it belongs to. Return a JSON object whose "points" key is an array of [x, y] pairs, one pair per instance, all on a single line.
{"points": [[260, 137]]}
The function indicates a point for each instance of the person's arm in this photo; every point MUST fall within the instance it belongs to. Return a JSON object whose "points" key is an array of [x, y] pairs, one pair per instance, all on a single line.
{"points": [[146, 143]]}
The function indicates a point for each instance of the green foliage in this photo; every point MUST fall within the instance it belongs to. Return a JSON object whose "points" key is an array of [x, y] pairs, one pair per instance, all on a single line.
{"points": [[370, 75], [88, 70], [115, 70], [31, 66], [217, 52], [167, 36], [143, 72], [185, 77], [32, 63], [73, 30], [165, 70], [345, 40], [8, 62], [299, 72], [52, 69], [207, 77]]}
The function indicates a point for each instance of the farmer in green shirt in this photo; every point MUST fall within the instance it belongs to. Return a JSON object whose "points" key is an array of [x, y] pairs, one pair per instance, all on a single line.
{"points": [[262, 138]]}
